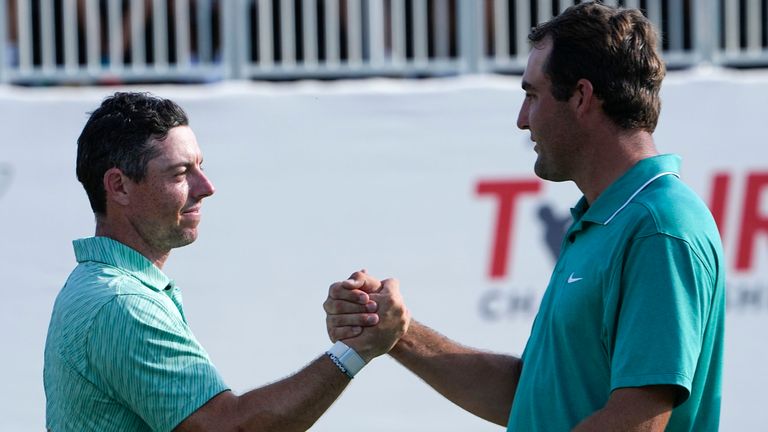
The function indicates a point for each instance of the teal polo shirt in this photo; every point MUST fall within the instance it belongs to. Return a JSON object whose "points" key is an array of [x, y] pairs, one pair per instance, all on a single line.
{"points": [[637, 298], [119, 354]]}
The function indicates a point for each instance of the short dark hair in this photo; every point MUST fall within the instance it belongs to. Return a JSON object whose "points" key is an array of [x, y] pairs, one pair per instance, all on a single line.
{"points": [[120, 134], [616, 50]]}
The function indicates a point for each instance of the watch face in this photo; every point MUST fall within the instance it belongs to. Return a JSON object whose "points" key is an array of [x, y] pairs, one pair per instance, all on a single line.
{"points": [[352, 361]]}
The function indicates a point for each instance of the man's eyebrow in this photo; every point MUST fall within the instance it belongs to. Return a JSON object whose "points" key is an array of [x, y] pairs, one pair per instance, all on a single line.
{"points": [[184, 164], [527, 86]]}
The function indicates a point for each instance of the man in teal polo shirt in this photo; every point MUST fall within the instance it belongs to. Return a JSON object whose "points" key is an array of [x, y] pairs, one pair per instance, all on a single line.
{"points": [[120, 355], [629, 334], [636, 299]]}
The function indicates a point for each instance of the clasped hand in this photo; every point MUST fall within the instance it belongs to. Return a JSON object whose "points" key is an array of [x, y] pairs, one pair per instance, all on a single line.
{"points": [[369, 315]]}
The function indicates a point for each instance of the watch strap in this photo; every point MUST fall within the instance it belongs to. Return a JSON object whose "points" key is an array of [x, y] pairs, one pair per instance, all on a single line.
{"points": [[346, 359]]}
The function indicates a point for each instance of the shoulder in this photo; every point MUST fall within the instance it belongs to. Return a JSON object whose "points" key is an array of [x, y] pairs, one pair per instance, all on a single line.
{"points": [[138, 309], [100, 293], [133, 325], [103, 279], [90, 290], [668, 206], [669, 209], [89, 287]]}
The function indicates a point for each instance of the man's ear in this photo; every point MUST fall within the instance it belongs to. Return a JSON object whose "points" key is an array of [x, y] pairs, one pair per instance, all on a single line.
{"points": [[583, 98], [117, 186]]}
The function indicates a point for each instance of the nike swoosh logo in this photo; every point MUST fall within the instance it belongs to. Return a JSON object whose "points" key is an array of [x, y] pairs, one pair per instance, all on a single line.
{"points": [[572, 279]]}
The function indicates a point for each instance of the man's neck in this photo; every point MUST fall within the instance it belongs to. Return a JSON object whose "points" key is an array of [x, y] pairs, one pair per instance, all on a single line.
{"points": [[612, 158], [126, 235]]}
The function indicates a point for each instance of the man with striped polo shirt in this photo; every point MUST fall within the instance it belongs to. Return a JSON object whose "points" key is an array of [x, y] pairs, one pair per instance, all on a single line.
{"points": [[120, 355], [629, 334]]}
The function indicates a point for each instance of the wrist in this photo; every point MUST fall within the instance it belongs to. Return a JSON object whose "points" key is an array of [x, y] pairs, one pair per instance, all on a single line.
{"points": [[346, 359], [407, 342], [363, 350]]}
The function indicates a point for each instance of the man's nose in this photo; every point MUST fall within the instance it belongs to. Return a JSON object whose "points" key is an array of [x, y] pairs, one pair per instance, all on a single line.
{"points": [[522, 116], [204, 187]]}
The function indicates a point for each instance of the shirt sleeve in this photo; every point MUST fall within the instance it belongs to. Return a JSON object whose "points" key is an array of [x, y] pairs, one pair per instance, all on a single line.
{"points": [[665, 299], [149, 360]]}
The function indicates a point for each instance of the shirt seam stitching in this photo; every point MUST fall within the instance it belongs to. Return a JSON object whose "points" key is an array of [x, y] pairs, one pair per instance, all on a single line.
{"points": [[660, 232]]}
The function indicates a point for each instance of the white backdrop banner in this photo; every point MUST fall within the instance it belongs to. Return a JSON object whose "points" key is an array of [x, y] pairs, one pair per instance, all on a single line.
{"points": [[427, 181]]}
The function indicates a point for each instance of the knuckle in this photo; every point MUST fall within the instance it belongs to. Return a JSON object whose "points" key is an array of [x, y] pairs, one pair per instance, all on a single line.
{"points": [[333, 307], [333, 291]]}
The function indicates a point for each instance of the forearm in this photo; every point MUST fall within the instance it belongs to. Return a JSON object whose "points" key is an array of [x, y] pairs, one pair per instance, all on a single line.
{"points": [[291, 404], [294, 403], [638, 409], [479, 382], [606, 421]]}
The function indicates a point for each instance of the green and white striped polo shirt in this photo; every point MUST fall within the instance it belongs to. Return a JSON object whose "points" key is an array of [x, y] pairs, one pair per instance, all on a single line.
{"points": [[119, 354]]}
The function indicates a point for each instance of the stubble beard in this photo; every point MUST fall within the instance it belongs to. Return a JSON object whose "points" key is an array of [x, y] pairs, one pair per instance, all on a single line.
{"points": [[164, 238], [179, 236], [546, 170]]}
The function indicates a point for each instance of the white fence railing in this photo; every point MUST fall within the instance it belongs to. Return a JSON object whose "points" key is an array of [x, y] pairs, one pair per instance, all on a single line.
{"points": [[91, 41]]}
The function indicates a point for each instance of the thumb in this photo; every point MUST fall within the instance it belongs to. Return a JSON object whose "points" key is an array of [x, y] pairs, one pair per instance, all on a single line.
{"points": [[369, 283]]}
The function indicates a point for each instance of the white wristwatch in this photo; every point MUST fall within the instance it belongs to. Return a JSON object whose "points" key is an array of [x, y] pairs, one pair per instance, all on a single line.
{"points": [[346, 359]]}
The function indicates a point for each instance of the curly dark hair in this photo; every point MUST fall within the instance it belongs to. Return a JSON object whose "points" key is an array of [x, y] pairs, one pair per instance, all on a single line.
{"points": [[616, 50], [120, 134]]}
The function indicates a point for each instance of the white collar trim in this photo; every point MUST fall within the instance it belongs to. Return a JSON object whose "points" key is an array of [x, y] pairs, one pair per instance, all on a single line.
{"points": [[638, 191]]}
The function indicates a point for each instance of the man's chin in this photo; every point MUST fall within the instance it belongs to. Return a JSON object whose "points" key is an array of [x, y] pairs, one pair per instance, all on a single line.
{"points": [[540, 170], [185, 238], [543, 173]]}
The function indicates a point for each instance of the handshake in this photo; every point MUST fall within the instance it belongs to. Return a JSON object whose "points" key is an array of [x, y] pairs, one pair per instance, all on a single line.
{"points": [[368, 315]]}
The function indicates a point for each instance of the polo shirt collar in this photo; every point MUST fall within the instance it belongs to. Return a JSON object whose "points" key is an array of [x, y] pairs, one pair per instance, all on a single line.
{"points": [[111, 252], [621, 192]]}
